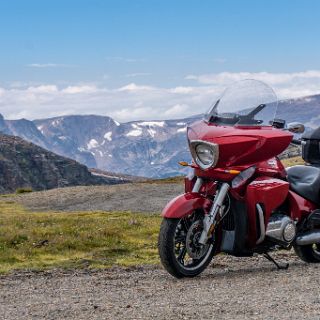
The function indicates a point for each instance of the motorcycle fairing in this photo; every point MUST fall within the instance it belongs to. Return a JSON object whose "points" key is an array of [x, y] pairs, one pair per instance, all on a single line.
{"points": [[185, 204], [269, 193], [241, 145], [299, 206]]}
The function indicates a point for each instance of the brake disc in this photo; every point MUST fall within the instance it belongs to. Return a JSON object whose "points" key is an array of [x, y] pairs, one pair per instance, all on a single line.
{"points": [[194, 248]]}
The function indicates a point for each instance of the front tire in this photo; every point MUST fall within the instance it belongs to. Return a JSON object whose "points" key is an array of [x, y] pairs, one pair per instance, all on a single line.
{"points": [[309, 253], [174, 247]]}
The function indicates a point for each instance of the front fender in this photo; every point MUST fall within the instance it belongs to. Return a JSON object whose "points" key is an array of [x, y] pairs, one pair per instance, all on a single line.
{"points": [[185, 204]]}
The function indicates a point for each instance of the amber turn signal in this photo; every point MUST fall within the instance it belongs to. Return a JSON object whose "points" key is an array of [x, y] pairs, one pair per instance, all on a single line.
{"points": [[184, 163], [233, 171]]}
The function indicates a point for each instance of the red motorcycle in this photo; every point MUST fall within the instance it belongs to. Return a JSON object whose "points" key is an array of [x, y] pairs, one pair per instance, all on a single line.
{"points": [[240, 199]]}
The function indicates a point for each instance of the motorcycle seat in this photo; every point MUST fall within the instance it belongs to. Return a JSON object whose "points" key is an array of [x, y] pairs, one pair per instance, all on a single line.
{"points": [[305, 181]]}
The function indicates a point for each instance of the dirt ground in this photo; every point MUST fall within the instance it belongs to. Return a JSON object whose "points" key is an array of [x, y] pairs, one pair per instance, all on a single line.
{"points": [[232, 288], [134, 197]]}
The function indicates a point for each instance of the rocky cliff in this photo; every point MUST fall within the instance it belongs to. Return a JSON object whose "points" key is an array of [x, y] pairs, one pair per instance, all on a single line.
{"points": [[26, 165]]}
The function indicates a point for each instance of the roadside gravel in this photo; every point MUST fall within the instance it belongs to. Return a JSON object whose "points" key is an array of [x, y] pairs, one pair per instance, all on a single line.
{"points": [[134, 197], [233, 288]]}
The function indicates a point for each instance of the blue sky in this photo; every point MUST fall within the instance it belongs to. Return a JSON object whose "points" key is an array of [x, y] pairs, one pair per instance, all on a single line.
{"points": [[150, 59]]}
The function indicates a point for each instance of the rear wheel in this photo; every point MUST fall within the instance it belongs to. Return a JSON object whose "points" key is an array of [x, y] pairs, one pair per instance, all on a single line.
{"points": [[309, 253], [179, 249]]}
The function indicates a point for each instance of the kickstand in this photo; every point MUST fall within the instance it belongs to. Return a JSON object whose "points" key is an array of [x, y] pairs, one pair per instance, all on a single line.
{"points": [[284, 266]]}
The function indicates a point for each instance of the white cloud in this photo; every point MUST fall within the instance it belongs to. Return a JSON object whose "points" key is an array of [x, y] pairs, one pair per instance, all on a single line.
{"points": [[80, 89], [42, 89], [177, 110], [287, 85], [182, 90], [132, 87], [48, 65], [143, 102]]}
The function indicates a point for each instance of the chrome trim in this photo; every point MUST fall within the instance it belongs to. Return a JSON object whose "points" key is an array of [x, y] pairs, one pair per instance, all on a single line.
{"points": [[215, 147], [261, 223], [209, 219], [276, 227], [198, 184], [309, 237]]}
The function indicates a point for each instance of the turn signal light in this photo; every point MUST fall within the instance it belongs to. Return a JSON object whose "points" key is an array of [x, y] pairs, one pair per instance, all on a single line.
{"points": [[184, 163], [233, 171]]}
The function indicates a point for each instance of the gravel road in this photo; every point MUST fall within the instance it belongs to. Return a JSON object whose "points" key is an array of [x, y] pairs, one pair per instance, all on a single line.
{"points": [[135, 197], [233, 288]]}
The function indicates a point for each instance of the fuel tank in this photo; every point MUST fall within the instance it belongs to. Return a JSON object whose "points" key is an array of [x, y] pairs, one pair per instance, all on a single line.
{"points": [[241, 145]]}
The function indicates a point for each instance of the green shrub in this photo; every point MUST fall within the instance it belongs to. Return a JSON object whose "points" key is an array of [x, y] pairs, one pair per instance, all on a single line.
{"points": [[23, 190]]}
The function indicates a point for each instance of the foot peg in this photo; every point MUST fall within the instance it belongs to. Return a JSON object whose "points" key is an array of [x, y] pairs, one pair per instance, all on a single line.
{"points": [[279, 266]]}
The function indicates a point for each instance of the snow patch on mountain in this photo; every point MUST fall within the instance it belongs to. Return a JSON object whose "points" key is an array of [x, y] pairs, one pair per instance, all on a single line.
{"points": [[108, 136], [181, 130], [152, 132], [55, 123], [134, 133], [152, 124], [93, 143]]}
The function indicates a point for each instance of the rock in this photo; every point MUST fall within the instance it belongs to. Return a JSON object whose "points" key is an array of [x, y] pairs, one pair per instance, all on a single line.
{"points": [[26, 165]]}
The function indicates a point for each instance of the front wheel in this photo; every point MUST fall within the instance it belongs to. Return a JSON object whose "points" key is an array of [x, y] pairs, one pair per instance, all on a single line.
{"points": [[309, 253], [179, 249]]}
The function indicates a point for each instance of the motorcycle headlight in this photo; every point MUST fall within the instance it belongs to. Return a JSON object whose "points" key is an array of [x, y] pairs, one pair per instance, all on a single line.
{"points": [[205, 154]]}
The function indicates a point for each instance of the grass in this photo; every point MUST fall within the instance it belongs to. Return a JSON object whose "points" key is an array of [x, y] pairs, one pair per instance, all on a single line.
{"points": [[292, 161], [177, 179], [40, 241]]}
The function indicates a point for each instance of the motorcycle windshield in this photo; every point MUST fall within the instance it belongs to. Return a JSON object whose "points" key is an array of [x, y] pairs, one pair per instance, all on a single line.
{"points": [[245, 103]]}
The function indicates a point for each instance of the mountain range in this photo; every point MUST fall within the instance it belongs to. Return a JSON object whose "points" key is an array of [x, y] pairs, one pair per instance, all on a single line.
{"points": [[139, 148]]}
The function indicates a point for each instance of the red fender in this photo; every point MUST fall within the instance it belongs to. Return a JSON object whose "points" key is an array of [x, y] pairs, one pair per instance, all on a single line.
{"points": [[185, 204]]}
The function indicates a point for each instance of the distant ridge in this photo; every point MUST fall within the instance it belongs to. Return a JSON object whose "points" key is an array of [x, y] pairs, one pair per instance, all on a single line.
{"points": [[26, 165]]}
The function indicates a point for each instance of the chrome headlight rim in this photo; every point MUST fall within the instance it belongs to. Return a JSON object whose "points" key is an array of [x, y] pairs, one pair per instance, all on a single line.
{"points": [[213, 146]]}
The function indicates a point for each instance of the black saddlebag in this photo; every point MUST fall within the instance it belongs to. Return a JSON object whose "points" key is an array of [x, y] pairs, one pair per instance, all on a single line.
{"points": [[311, 147]]}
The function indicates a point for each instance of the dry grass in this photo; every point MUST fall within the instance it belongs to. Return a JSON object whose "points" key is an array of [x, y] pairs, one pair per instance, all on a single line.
{"points": [[177, 179], [39, 241], [292, 161]]}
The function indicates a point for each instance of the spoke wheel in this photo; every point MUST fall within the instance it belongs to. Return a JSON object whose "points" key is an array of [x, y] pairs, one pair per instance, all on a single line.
{"points": [[179, 248]]}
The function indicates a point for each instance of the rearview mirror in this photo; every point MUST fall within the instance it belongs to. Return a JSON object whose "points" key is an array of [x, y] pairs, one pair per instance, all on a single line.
{"points": [[295, 127]]}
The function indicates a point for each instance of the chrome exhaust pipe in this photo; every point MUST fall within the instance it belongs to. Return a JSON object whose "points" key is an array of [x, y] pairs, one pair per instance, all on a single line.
{"points": [[310, 237]]}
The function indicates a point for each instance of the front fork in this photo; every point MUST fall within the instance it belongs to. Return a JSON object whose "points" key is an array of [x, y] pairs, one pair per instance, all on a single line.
{"points": [[209, 220]]}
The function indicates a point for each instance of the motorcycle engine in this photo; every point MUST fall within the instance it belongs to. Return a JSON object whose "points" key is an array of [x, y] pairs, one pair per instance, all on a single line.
{"points": [[281, 229]]}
